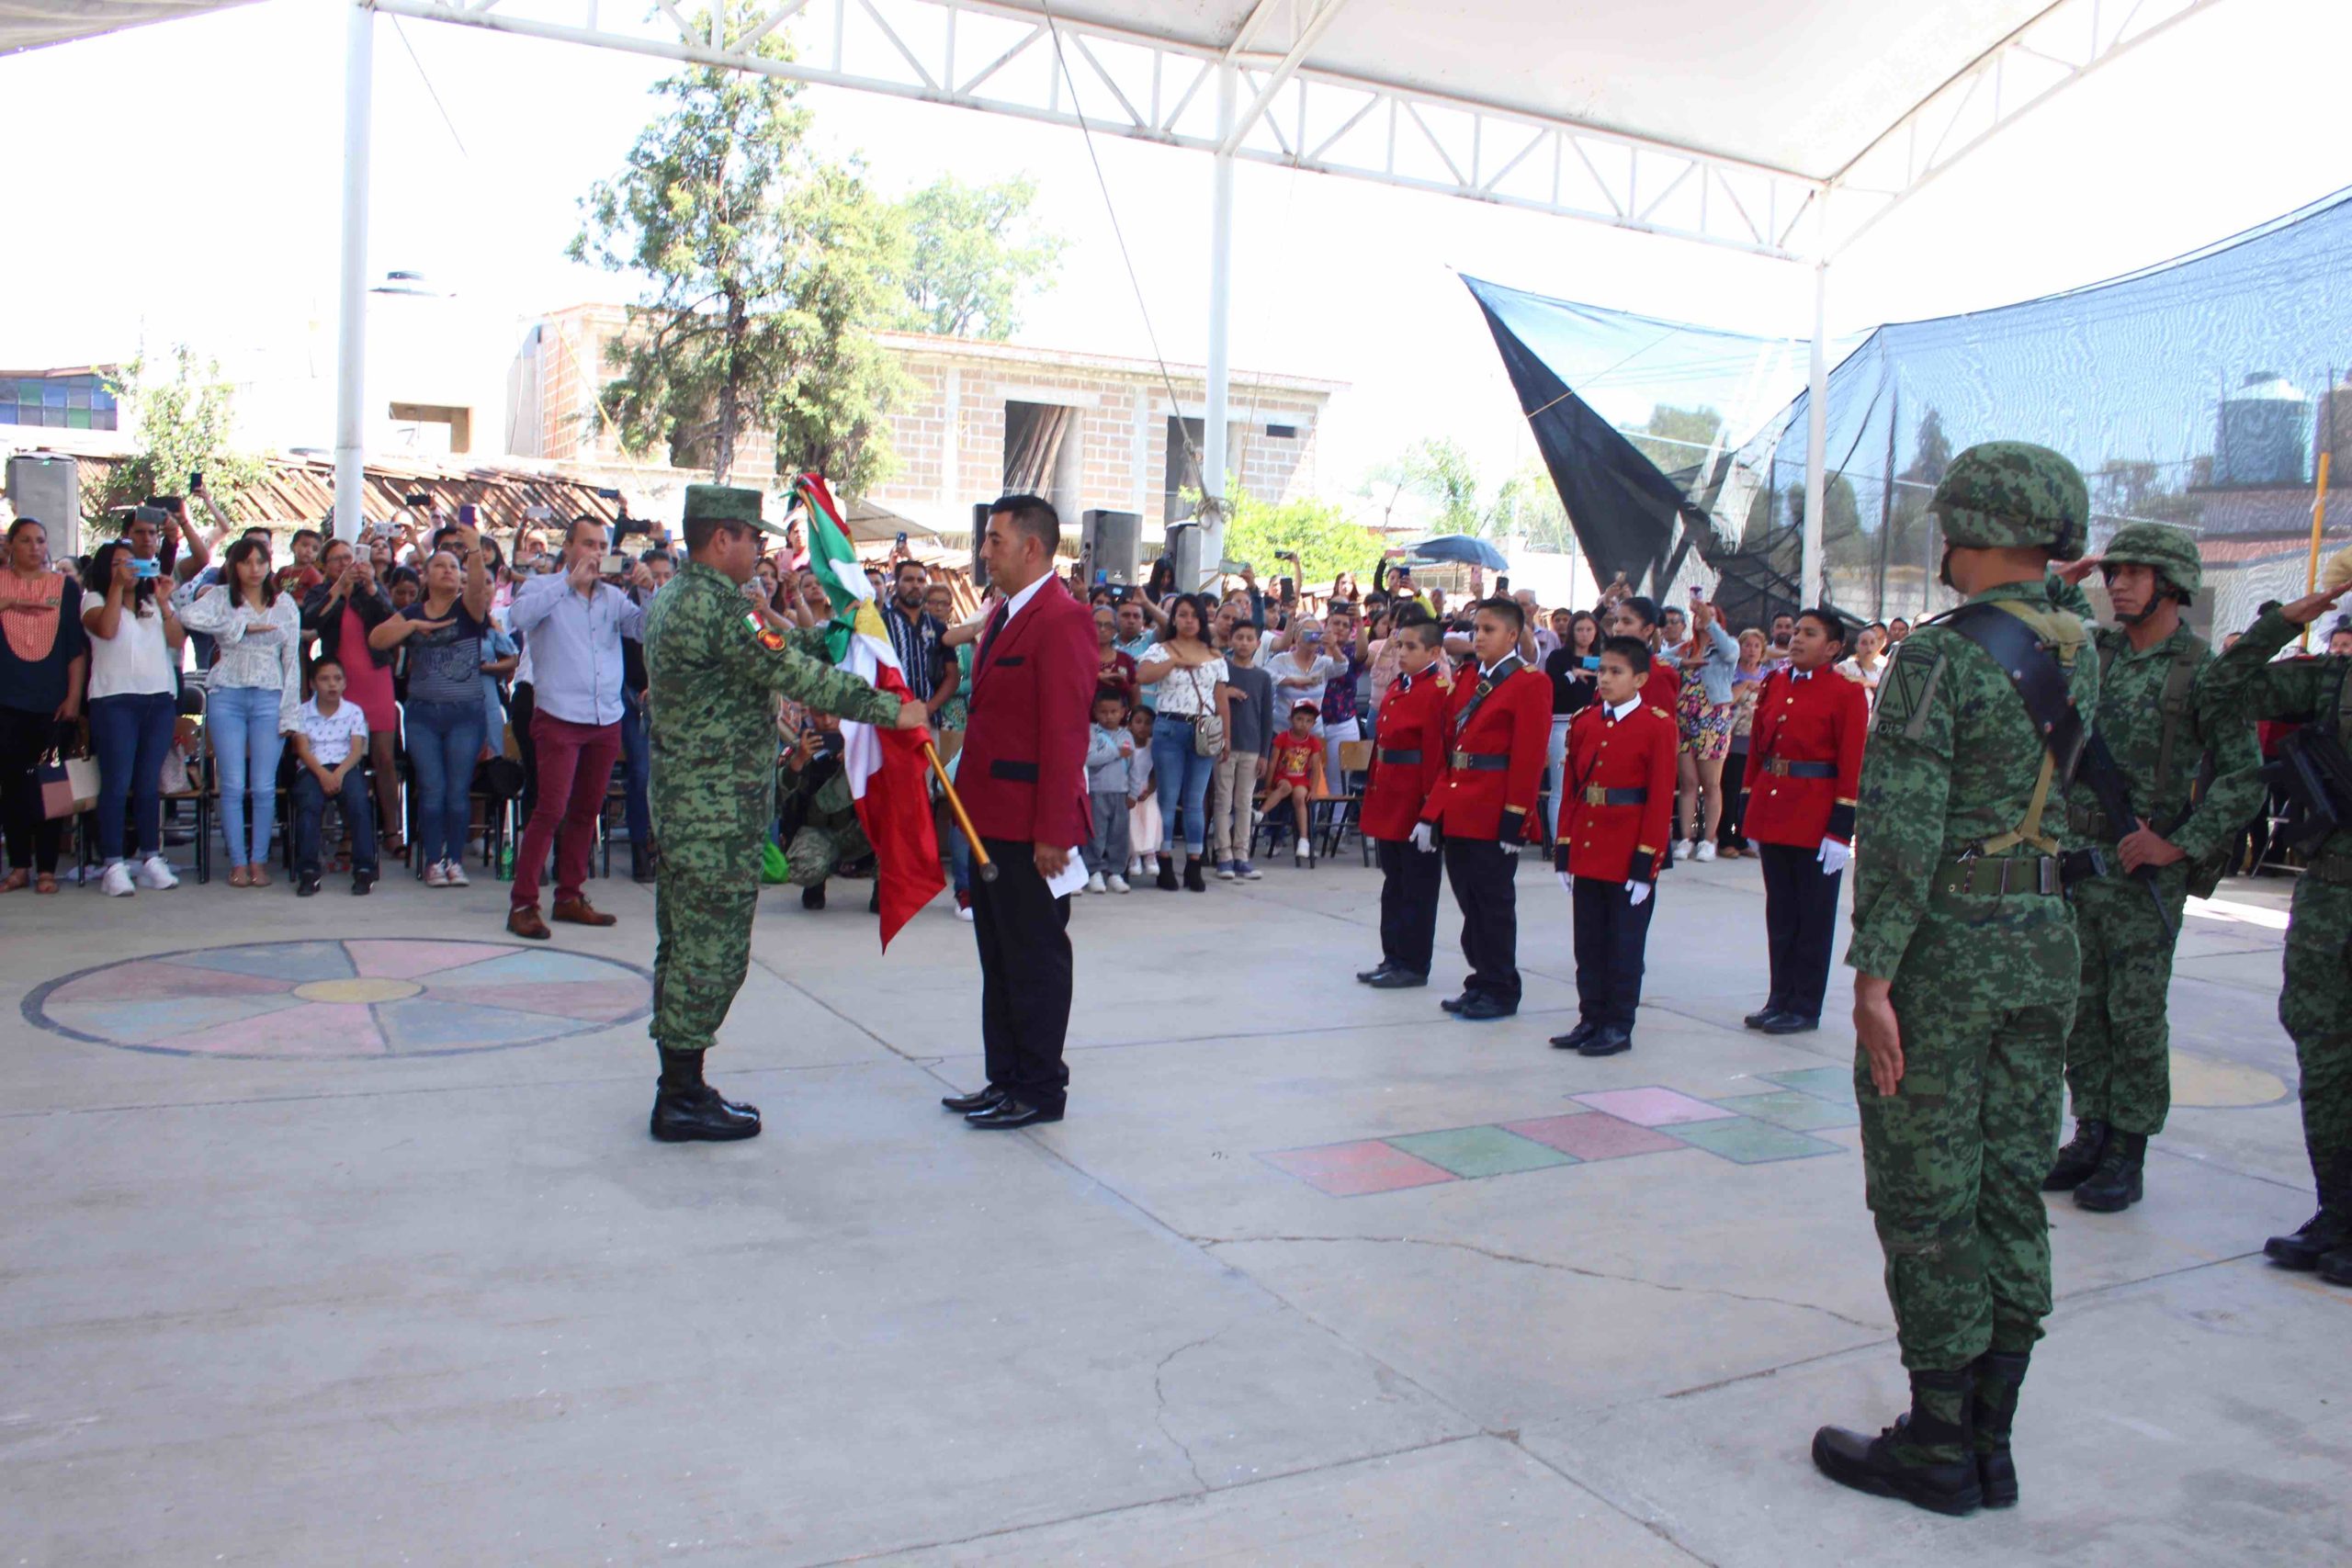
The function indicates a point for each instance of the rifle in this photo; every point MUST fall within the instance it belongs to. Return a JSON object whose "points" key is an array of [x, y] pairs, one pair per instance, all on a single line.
{"points": [[2113, 790]]}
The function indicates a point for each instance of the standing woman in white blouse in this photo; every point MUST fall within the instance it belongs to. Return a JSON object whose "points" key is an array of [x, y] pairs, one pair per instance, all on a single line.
{"points": [[1187, 671], [135, 643], [252, 696]]}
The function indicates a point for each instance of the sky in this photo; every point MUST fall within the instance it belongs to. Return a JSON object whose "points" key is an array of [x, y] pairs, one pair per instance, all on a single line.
{"points": [[191, 190]]}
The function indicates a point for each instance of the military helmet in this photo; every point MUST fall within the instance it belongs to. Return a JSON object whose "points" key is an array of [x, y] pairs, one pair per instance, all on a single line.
{"points": [[2171, 551], [2005, 494]]}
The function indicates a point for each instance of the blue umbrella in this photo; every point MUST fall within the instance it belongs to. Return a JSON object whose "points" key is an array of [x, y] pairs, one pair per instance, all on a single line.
{"points": [[1462, 547]]}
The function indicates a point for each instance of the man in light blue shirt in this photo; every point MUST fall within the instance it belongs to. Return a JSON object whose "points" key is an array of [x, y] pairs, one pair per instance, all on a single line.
{"points": [[572, 621]]}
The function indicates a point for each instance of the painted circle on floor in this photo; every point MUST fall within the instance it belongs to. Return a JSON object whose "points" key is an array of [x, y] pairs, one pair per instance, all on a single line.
{"points": [[328, 1000]]}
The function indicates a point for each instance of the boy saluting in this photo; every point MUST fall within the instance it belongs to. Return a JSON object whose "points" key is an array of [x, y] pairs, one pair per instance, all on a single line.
{"points": [[1620, 789], [1407, 766]]}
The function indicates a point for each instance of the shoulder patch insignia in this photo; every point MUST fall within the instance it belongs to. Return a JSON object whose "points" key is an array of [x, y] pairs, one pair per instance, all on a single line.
{"points": [[767, 636], [1659, 711], [1907, 684]]}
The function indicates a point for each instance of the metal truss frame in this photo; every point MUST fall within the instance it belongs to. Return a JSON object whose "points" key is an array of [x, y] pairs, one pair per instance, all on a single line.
{"points": [[1002, 60]]}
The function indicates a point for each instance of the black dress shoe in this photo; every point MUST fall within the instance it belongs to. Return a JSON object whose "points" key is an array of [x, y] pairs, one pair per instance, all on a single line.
{"points": [[983, 1098], [1397, 980], [1484, 1010], [1366, 977], [813, 897], [307, 887], [1606, 1041], [699, 1116], [1455, 1004], [1574, 1037], [1013, 1111], [1786, 1022], [1762, 1017]]}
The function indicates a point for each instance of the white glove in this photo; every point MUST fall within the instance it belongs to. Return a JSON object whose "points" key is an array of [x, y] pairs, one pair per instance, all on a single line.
{"points": [[1568, 882], [1833, 857], [1637, 893], [1422, 839]]}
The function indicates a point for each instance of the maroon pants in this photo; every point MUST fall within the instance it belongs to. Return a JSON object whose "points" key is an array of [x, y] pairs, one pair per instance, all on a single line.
{"points": [[575, 769]]}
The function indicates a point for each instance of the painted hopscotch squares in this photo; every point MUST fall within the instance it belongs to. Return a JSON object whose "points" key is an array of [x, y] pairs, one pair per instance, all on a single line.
{"points": [[1750, 1129]]}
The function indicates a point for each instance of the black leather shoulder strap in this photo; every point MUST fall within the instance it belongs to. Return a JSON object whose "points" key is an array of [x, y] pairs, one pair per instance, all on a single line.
{"points": [[2040, 680]]}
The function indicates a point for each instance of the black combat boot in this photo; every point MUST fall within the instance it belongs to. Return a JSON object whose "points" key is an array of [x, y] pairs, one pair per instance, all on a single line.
{"points": [[686, 1110], [2000, 1374], [2325, 1232], [2079, 1158], [2115, 1185], [1926, 1459]]}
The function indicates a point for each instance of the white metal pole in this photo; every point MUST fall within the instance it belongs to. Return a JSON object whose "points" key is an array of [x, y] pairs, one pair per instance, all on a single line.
{"points": [[1213, 422], [1817, 437], [351, 343]]}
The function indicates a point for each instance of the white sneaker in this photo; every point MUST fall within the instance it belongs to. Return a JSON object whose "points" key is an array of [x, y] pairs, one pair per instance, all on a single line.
{"points": [[964, 914], [1298, 852], [1706, 849], [454, 875], [117, 883], [1117, 882], [155, 871], [437, 874], [1683, 849], [1094, 883]]}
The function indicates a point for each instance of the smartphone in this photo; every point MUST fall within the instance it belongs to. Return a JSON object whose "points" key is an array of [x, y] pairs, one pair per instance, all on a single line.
{"points": [[146, 566], [1591, 661], [608, 494], [466, 513], [902, 539], [616, 566], [417, 499], [196, 481]]}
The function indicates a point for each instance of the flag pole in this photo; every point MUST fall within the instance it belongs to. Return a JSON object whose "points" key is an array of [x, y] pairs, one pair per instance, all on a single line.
{"points": [[963, 818]]}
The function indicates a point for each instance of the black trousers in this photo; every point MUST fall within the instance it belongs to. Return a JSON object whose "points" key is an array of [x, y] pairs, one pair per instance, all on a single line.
{"points": [[1409, 885], [522, 702], [1800, 925], [1728, 836], [1481, 872], [1611, 938], [31, 837], [1023, 936]]}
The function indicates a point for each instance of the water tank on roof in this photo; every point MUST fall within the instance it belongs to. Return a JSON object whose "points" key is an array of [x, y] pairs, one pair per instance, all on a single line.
{"points": [[2265, 435]]}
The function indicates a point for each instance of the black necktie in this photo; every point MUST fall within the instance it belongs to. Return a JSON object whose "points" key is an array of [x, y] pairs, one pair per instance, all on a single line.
{"points": [[996, 625]]}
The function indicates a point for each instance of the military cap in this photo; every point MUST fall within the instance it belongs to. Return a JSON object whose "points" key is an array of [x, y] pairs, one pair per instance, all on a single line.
{"points": [[2172, 551], [727, 504], [2009, 494]]}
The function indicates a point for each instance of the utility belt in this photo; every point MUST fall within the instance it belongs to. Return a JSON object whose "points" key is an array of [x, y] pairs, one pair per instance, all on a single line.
{"points": [[1406, 758], [1783, 768], [1481, 762], [1594, 795], [1991, 876]]}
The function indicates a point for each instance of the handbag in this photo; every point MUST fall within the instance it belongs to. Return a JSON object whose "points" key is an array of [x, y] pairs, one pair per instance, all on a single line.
{"points": [[1208, 725], [81, 785], [56, 788]]}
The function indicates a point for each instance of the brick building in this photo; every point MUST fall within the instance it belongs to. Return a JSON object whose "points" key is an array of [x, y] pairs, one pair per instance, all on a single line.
{"points": [[1085, 430]]}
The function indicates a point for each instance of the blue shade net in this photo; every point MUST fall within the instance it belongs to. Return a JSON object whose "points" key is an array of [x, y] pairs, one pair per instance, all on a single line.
{"points": [[2201, 392]]}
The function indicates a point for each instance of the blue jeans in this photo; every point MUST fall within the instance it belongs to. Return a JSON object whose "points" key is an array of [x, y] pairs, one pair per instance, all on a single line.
{"points": [[1183, 779], [637, 759], [444, 738], [243, 722], [359, 817], [132, 733]]}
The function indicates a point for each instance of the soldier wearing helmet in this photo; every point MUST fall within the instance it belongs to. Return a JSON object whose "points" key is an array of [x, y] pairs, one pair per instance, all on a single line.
{"points": [[2166, 722], [1966, 967]]}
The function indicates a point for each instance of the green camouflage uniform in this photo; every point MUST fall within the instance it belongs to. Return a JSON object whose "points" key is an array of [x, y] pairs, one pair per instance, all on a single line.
{"points": [[2119, 1064], [2316, 1005], [828, 833], [711, 701]]}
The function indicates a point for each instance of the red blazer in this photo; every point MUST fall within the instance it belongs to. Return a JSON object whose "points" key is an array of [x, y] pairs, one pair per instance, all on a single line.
{"points": [[1626, 841], [1514, 723], [1820, 720], [1413, 730], [1022, 775]]}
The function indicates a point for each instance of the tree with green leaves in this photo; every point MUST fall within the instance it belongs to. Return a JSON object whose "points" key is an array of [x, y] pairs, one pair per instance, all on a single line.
{"points": [[975, 255], [768, 270], [1440, 471], [1326, 541], [186, 416], [1678, 438]]}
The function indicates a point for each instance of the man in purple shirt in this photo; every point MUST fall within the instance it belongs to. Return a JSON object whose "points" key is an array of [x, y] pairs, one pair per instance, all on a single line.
{"points": [[574, 622]]}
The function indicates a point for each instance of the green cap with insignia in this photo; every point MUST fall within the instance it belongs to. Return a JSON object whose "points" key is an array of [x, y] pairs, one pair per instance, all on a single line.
{"points": [[726, 503], [2013, 495], [2171, 551]]}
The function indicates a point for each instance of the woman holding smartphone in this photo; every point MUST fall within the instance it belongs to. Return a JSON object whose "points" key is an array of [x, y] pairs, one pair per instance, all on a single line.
{"points": [[135, 642], [444, 632], [256, 692]]}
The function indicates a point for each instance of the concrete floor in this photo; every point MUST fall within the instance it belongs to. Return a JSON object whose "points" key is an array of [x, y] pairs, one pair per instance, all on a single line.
{"points": [[456, 1308]]}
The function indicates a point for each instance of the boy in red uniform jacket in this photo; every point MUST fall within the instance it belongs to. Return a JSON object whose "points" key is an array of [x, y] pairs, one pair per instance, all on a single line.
{"points": [[1804, 771], [1613, 841], [1405, 767], [1501, 715]]}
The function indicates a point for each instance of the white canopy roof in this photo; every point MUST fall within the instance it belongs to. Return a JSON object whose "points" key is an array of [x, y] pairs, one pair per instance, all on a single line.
{"points": [[31, 24]]}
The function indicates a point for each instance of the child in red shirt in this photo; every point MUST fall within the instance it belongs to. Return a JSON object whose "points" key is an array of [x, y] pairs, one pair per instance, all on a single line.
{"points": [[1291, 769]]}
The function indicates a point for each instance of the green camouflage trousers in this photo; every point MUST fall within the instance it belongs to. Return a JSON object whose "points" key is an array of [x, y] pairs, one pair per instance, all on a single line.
{"points": [[816, 852], [703, 903], [2119, 1056], [1953, 1163], [2316, 1009]]}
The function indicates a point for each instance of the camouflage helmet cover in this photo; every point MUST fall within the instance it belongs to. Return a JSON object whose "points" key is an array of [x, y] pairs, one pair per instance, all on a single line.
{"points": [[2012, 494], [2171, 551]]}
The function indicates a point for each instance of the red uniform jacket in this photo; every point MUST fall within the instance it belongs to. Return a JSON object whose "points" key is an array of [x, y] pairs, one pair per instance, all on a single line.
{"points": [[1626, 840], [1805, 758], [1023, 774], [1483, 799], [1662, 688], [1409, 758]]}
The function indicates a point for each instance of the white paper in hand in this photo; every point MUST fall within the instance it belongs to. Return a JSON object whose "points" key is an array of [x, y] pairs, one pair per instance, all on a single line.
{"points": [[1073, 878]]}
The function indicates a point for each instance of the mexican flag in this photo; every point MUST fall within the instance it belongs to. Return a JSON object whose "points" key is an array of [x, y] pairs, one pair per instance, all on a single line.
{"points": [[886, 768]]}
